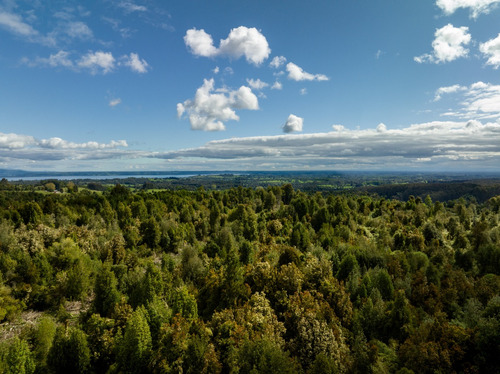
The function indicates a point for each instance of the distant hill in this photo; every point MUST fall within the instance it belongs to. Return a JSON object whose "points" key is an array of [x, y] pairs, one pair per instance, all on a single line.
{"points": [[481, 190]]}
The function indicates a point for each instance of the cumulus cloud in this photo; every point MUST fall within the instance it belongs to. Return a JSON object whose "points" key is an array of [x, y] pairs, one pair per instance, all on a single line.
{"points": [[257, 84], [293, 124], [448, 45], [200, 43], [479, 100], [135, 63], [241, 41], [476, 7], [13, 141], [277, 62], [439, 143], [99, 61], [211, 108], [491, 50], [297, 74]]}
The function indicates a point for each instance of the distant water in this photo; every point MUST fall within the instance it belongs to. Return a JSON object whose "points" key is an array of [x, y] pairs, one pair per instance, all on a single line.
{"points": [[102, 177]]}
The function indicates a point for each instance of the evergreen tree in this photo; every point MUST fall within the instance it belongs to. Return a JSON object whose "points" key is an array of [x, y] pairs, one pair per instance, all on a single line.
{"points": [[135, 349]]}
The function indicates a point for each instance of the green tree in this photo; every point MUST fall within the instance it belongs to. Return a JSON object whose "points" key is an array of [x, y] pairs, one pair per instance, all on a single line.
{"points": [[106, 293], [135, 349], [19, 358], [264, 357], [69, 352]]}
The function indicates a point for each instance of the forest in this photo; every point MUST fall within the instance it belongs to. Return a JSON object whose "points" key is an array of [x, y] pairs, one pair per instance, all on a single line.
{"points": [[246, 280]]}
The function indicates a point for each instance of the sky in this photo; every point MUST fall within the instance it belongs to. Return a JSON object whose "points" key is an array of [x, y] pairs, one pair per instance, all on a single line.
{"points": [[138, 85]]}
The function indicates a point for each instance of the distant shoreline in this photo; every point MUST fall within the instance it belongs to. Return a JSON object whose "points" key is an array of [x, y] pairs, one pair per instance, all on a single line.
{"points": [[23, 175]]}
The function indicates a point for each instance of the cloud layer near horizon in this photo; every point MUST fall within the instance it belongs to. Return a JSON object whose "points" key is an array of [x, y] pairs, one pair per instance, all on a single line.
{"points": [[432, 143], [26, 147]]}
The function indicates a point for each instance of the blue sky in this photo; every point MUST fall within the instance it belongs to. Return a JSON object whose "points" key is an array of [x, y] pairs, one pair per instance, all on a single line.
{"points": [[250, 85]]}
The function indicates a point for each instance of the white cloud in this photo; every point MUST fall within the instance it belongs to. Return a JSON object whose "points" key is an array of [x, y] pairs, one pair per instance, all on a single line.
{"points": [[135, 63], [79, 30], [15, 24], [257, 84], [303, 91], [381, 127], [13, 141], [200, 43], [130, 7], [241, 41], [297, 74], [97, 62], [208, 110], [58, 143], [491, 50], [248, 42], [478, 101], [277, 62], [476, 7], [293, 124], [447, 90], [448, 45], [216, 70], [277, 86], [24, 147], [115, 102], [60, 58], [439, 143]]}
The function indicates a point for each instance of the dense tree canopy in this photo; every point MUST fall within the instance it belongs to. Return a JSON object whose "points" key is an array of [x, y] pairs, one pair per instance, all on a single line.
{"points": [[246, 280]]}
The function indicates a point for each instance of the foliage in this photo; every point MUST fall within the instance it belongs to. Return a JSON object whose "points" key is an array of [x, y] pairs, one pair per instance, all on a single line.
{"points": [[274, 279]]}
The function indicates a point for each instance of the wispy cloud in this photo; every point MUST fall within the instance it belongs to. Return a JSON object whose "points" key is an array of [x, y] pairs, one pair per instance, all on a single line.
{"points": [[16, 25], [476, 7], [478, 101], [95, 62], [277, 86], [277, 62], [131, 7], [257, 84], [447, 90], [115, 102], [79, 30]]}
